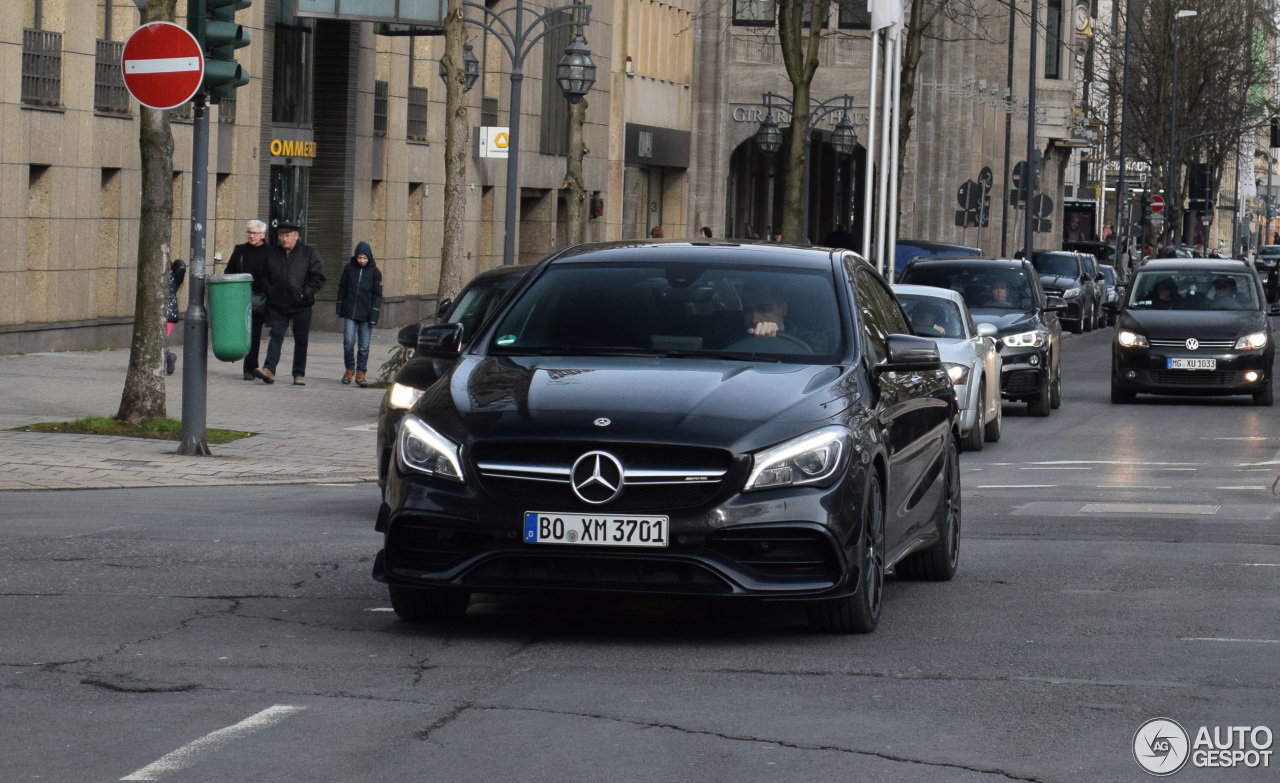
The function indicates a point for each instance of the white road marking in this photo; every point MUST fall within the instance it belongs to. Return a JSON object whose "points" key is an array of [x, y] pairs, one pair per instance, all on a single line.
{"points": [[1220, 639], [1102, 462], [1149, 508], [1245, 487], [1128, 486], [1057, 467], [362, 428], [162, 65], [380, 609], [188, 754], [1016, 486], [1256, 565], [1247, 437]]}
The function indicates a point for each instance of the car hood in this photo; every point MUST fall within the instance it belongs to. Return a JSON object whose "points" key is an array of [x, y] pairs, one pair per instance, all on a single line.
{"points": [[1200, 324], [1059, 281], [1006, 321], [729, 404]]}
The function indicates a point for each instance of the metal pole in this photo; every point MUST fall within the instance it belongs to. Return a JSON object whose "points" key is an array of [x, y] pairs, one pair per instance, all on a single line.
{"points": [[195, 338], [868, 173], [892, 263], [882, 190], [1028, 237], [1122, 188], [1173, 139], [513, 138]]}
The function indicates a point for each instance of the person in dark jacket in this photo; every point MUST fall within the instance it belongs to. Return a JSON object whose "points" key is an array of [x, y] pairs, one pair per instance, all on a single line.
{"points": [[177, 275], [250, 258], [359, 304], [295, 274]]}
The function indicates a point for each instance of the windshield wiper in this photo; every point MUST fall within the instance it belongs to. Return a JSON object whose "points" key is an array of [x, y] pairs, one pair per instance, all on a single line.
{"points": [[737, 357]]}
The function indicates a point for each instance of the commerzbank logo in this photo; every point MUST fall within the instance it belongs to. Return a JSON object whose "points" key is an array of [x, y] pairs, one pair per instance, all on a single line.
{"points": [[1162, 747]]}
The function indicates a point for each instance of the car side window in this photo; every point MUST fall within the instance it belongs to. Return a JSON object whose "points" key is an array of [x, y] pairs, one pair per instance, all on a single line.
{"points": [[895, 320], [870, 313], [1089, 267]]}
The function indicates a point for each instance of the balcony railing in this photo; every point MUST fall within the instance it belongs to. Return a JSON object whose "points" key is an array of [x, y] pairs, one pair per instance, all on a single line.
{"points": [[41, 67], [109, 93]]}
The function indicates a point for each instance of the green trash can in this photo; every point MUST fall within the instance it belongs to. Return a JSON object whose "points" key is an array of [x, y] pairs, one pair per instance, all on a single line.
{"points": [[230, 315]]}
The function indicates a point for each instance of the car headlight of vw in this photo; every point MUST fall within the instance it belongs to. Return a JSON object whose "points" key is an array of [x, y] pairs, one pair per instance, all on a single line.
{"points": [[423, 450], [959, 372], [808, 459], [403, 397], [1252, 342], [1131, 340], [1032, 339]]}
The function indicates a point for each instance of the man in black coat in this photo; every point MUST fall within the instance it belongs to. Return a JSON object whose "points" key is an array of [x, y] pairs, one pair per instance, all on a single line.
{"points": [[250, 258], [294, 276]]}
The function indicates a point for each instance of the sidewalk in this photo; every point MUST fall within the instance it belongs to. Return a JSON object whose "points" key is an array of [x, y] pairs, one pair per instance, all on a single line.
{"points": [[321, 432]]}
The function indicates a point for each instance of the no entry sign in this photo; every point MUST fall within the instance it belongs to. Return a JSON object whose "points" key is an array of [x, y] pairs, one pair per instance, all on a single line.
{"points": [[163, 65], [1157, 204]]}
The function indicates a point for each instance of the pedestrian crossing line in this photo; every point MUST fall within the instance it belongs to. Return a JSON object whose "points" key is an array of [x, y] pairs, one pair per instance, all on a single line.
{"points": [[188, 754]]}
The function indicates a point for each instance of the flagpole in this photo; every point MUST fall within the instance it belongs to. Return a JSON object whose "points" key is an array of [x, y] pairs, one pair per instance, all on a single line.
{"points": [[869, 158], [896, 37], [882, 190]]}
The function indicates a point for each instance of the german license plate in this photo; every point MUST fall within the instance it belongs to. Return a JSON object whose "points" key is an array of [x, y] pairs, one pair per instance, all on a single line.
{"points": [[553, 527], [1193, 364]]}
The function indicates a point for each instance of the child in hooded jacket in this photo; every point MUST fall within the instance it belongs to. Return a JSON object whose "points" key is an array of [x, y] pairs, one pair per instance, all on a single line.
{"points": [[359, 304]]}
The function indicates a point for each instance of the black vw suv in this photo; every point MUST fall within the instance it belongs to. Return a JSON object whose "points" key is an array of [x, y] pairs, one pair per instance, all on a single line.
{"points": [[749, 421]]}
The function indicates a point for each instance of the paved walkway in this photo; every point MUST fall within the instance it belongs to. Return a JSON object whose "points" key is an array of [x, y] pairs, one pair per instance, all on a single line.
{"points": [[321, 432]]}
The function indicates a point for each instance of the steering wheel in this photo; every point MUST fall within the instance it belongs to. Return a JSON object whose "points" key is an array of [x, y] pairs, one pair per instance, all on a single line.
{"points": [[752, 343]]}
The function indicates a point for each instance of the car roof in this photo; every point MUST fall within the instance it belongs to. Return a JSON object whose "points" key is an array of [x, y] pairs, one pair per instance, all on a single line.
{"points": [[499, 272], [994, 263], [928, 290], [708, 251], [938, 246], [1192, 264]]}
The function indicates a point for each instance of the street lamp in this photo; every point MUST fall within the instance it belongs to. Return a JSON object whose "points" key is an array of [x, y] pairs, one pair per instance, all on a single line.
{"points": [[575, 74], [470, 68], [843, 138], [1173, 124]]}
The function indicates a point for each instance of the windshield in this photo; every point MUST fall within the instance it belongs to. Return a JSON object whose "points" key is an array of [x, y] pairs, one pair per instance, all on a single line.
{"points": [[1108, 273], [1269, 250], [983, 288], [475, 304], [1056, 264], [933, 317], [687, 310], [1193, 290]]}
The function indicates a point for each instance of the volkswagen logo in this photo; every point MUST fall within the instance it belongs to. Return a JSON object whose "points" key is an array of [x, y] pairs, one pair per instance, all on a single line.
{"points": [[1192, 343], [596, 477]]}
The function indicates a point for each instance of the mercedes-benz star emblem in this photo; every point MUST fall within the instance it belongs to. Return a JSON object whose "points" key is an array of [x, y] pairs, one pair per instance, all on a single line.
{"points": [[1192, 343], [597, 477], [602, 422]]}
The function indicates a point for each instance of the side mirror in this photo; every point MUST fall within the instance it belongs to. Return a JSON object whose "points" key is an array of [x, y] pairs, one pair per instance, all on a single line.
{"points": [[987, 330], [907, 353], [443, 308], [1275, 309], [441, 342], [1111, 307], [408, 336], [1055, 304]]}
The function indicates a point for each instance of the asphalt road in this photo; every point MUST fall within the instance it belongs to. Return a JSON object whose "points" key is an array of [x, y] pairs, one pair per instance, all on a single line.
{"points": [[1120, 563]]}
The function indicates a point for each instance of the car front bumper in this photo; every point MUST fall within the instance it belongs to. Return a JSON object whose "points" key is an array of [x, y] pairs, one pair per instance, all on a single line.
{"points": [[1147, 370], [1024, 372]]}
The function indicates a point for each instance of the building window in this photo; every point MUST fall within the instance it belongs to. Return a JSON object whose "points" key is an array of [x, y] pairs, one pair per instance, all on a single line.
{"points": [[41, 67], [554, 139], [1053, 40], [292, 101], [379, 108], [853, 15], [489, 112], [417, 128], [755, 12], [109, 93]]}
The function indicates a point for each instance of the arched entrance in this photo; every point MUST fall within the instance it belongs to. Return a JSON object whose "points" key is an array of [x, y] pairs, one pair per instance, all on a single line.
{"points": [[753, 197]]}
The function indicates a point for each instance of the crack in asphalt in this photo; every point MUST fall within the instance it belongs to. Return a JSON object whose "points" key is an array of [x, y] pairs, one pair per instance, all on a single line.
{"points": [[138, 689], [423, 668], [445, 720], [745, 738]]}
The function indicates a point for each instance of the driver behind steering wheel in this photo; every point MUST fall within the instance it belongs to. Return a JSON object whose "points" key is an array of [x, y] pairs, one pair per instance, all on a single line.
{"points": [[764, 313]]}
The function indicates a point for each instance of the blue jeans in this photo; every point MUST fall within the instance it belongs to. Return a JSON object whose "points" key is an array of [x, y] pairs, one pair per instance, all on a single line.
{"points": [[356, 359]]}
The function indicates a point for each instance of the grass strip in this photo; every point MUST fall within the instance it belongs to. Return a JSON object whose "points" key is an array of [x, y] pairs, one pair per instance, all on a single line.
{"points": [[162, 429]]}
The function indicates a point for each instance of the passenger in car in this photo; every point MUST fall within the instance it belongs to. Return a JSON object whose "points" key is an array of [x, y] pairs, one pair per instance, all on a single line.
{"points": [[1164, 294], [1225, 295]]}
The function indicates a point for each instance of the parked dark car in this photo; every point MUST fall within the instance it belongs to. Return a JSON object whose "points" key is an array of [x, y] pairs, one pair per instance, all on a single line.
{"points": [[1193, 328], [1267, 262], [679, 419], [1026, 320], [1073, 277], [475, 303], [1111, 294], [1104, 252], [908, 249]]}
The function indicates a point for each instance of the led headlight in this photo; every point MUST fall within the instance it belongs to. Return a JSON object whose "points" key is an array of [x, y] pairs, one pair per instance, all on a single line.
{"points": [[959, 372], [1252, 342], [424, 450], [1033, 339], [403, 397], [1071, 293], [1130, 340], [807, 459]]}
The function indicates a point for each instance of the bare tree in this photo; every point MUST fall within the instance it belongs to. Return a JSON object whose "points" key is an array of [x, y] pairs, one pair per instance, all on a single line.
{"points": [[143, 398], [576, 195], [799, 42], [456, 138]]}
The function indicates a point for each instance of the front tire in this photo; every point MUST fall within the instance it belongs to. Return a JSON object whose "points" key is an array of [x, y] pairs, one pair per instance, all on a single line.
{"points": [[995, 426], [1088, 322], [1121, 396], [1264, 397], [860, 612], [939, 562], [1055, 391], [973, 441], [431, 605], [1041, 405]]}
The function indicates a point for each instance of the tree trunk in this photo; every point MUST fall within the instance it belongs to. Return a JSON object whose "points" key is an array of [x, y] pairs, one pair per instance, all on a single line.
{"points": [[143, 398], [576, 196], [457, 136], [799, 46]]}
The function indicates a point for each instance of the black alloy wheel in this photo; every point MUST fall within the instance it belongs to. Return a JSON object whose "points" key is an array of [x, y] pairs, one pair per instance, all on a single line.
{"points": [[995, 425], [1041, 404], [1264, 397], [939, 562], [429, 605], [860, 612], [1055, 390]]}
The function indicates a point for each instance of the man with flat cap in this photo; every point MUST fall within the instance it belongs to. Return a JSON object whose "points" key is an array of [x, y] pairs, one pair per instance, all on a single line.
{"points": [[294, 276]]}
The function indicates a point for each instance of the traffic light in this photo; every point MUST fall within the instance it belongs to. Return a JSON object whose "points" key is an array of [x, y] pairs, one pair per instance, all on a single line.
{"points": [[1147, 213], [213, 23]]}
